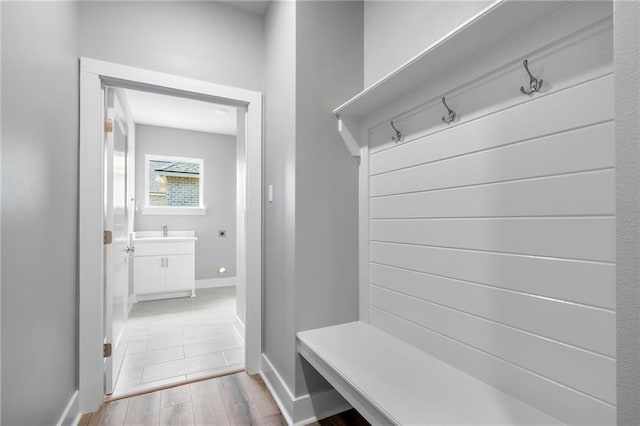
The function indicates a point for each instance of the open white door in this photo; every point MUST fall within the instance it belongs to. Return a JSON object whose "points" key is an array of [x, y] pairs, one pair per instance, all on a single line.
{"points": [[117, 253]]}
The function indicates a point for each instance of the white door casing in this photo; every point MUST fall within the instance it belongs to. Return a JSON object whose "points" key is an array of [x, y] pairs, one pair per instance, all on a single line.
{"points": [[93, 75]]}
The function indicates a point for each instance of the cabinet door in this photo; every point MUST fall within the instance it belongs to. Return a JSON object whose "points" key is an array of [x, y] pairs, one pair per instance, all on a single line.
{"points": [[178, 272], [148, 274]]}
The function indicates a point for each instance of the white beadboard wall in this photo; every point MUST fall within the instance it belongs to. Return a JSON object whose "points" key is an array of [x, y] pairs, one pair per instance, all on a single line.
{"points": [[492, 241]]}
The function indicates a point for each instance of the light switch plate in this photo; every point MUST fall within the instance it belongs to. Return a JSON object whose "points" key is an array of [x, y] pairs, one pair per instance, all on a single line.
{"points": [[270, 193]]}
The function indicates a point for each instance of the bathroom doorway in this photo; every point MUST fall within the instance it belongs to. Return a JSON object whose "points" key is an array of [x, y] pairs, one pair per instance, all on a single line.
{"points": [[175, 173], [214, 348]]}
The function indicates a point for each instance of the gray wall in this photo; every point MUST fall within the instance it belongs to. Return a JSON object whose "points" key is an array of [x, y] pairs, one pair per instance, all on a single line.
{"points": [[314, 62], [279, 171], [219, 155], [39, 210], [627, 63], [329, 60], [396, 31], [206, 40]]}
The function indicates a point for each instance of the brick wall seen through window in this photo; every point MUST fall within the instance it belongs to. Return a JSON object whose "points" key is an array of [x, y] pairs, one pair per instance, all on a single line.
{"points": [[173, 183]]}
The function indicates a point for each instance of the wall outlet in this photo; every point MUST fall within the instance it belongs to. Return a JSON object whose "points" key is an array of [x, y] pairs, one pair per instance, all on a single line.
{"points": [[222, 233]]}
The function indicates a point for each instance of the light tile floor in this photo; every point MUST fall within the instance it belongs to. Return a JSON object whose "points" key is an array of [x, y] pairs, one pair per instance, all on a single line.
{"points": [[175, 340]]}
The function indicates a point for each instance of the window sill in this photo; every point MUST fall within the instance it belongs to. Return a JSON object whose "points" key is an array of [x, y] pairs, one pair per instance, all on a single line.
{"points": [[177, 211]]}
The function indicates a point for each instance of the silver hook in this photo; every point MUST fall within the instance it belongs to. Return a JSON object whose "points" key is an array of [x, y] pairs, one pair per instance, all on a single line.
{"points": [[452, 114], [534, 83], [398, 137]]}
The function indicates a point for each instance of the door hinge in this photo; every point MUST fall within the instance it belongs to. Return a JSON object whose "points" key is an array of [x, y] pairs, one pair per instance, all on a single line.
{"points": [[107, 237], [108, 125], [106, 350]]}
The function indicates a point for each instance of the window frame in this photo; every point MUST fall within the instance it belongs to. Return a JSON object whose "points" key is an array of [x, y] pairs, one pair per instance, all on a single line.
{"points": [[172, 210]]}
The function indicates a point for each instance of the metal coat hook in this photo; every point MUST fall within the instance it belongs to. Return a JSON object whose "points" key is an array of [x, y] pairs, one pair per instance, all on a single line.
{"points": [[398, 137], [452, 113], [534, 83]]}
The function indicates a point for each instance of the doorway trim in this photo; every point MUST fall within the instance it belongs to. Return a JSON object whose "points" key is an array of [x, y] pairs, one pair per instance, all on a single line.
{"points": [[93, 75]]}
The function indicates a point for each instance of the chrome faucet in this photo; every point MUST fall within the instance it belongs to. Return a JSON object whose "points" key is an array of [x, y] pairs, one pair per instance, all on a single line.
{"points": [[164, 231]]}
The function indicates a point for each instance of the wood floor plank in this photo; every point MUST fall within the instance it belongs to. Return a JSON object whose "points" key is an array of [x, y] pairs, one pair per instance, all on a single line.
{"points": [[275, 420], [238, 402], [208, 406], [177, 415], [260, 394], [110, 414], [234, 400], [144, 410], [85, 419], [175, 395]]}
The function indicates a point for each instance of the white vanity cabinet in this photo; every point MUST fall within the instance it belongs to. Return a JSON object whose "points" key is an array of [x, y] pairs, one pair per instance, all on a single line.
{"points": [[163, 266], [148, 274]]}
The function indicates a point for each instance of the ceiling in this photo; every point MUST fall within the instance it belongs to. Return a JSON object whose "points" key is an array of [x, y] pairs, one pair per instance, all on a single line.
{"points": [[181, 113], [255, 7]]}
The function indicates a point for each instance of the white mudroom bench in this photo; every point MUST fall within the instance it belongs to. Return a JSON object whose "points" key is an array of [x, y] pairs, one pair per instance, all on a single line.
{"points": [[390, 382]]}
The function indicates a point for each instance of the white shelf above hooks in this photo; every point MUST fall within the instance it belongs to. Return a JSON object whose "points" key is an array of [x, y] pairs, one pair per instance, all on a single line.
{"points": [[499, 21]]}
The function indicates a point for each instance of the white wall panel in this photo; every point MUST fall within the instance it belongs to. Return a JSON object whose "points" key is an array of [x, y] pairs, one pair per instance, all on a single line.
{"points": [[548, 396], [591, 283], [582, 326], [579, 150], [587, 193], [546, 357], [492, 241], [585, 238], [577, 106]]}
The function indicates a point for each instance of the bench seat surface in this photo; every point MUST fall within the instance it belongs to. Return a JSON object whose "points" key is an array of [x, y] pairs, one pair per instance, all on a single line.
{"points": [[408, 386]]}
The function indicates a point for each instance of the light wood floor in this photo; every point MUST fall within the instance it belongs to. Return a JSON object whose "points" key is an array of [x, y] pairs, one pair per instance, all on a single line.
{"points": [[237, 399], [233, 400]]}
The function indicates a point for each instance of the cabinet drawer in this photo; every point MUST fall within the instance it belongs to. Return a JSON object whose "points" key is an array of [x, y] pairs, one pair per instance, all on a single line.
{"points": [[163, 249]]}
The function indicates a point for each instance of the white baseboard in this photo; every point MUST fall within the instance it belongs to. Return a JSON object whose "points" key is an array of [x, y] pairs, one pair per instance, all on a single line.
{"points": [[238, 325], [279, 390], [160, 296], [76, 421], [216, 282], [132, 301], [320, 405], [304, 409], [71, 414]]}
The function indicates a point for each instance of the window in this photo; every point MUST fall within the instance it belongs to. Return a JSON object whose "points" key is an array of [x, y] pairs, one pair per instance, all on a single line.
{"points": [[173, 185]]}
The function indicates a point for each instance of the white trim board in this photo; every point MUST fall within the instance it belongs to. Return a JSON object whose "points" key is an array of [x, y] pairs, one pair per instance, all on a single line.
{"points": [[216, 282], [71, 413], [93, 75], [304, 409]]}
